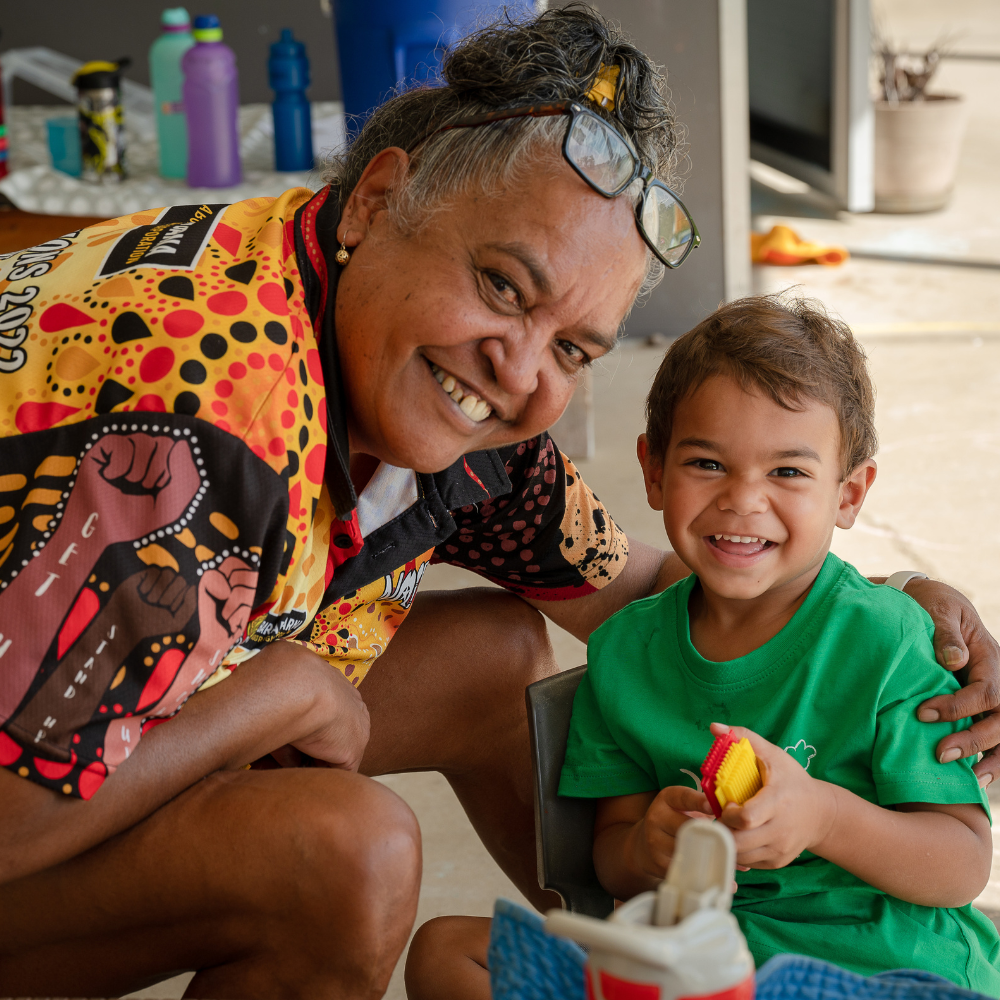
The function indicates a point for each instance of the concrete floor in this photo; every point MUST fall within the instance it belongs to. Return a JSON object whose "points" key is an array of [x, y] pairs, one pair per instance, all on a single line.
{"points": [[933, 336]]}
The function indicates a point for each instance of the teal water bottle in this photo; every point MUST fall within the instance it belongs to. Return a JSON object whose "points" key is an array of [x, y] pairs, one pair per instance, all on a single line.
{"points": [[167, 78]]}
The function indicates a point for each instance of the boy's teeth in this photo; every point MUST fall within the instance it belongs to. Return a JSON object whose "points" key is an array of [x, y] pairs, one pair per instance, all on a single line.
{"points": [[745, 539]]}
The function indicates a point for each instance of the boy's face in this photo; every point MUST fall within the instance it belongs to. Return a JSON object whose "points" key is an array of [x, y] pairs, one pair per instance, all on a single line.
{"points": [[750, 491]]}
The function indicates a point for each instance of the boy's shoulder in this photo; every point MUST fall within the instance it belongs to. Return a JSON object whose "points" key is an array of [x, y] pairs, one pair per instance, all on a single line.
{"points": [[883, 618], [880, 607], [637, 621]]}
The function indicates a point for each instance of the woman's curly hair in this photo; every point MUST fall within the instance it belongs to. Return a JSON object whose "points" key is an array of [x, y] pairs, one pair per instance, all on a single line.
{"points": [[554, 56]]}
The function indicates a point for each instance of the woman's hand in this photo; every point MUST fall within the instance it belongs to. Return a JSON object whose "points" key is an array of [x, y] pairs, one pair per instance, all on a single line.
{"points": [[962, 643], [342, 735], [792, 813], [285, 695]]}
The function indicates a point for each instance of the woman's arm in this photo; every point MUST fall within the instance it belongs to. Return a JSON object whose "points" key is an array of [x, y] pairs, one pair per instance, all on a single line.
{"points": [[648, 570], [963, 644], [930, 854], [284, 695]]}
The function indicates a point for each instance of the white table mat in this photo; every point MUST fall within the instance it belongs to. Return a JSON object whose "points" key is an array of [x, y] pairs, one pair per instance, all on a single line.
{"points": [[34, 186]]}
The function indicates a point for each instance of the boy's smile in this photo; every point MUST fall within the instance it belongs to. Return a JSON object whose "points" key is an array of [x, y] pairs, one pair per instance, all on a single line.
{"points": [[751, 491]]}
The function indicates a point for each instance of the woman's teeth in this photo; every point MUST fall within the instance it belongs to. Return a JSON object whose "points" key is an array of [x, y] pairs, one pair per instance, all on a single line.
{"points": [[470, 404], [745, 539]]}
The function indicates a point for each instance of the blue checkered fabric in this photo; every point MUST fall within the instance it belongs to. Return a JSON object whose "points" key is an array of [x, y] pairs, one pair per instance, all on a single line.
{"points": [[795, 977], [528, 964]]}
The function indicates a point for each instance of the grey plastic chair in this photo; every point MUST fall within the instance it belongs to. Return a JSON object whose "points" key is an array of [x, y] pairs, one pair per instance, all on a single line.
{"points": [[564, 827]]}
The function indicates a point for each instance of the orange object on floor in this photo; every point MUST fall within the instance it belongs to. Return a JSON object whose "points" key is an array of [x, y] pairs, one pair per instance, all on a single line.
{"points": [[783, 247]]}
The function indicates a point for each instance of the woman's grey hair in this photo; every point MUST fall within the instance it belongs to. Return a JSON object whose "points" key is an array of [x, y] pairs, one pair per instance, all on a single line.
{"points": [[555, 56]]}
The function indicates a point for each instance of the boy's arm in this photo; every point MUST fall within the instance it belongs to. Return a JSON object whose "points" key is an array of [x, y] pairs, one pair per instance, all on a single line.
{"points": [[634, 837], [930, 854], [922, 852]]}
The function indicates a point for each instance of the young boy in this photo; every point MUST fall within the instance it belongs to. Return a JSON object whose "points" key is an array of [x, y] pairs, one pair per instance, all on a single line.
{"points": [[861, 849]]}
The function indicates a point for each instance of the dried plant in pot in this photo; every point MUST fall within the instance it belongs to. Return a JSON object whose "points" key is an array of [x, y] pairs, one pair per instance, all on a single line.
{"points": [[918, 135]]}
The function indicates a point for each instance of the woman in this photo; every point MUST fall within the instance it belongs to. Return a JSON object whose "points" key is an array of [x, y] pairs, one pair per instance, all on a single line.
{"points": [[233, 425]]}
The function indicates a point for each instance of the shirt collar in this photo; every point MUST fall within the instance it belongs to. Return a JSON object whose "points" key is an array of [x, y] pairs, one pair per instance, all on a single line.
{"points": [[315, 237]]}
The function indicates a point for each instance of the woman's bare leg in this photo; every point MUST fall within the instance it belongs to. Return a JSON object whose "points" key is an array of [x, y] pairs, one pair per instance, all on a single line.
{"points": [[295, 883], [447, 960], [448, 696]]}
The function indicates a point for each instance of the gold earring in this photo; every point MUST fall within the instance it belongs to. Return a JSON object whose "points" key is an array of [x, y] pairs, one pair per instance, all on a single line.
{"points": [[342, 256]]}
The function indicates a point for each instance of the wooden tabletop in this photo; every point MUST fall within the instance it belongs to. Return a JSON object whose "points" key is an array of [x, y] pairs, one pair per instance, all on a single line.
{"points": [[19, 230]]}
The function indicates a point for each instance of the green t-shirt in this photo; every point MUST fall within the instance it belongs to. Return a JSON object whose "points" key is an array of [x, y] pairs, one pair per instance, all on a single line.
{"points": [[838, 688]]}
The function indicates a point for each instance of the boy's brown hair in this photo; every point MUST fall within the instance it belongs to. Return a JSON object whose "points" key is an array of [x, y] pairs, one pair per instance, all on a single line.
{"points": [[787, 349]]}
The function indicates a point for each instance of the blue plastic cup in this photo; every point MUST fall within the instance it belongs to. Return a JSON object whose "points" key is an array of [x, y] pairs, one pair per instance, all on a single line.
{"points": [[64, 145]]}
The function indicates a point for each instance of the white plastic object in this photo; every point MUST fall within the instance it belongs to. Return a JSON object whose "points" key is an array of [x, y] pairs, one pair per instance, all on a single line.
{"points": [[700, 875], [52, 72], [703, 954], [902, 577]]}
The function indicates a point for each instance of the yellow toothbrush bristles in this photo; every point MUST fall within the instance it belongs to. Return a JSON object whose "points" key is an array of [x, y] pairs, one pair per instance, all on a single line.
{"points": [[738, 778]]}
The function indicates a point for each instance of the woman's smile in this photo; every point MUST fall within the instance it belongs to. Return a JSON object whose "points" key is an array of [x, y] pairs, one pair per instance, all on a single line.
{"points": [[476, 409]]}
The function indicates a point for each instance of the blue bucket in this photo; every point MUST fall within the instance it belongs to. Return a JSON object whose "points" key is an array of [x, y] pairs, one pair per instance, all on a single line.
{"points": [[393, 44]]}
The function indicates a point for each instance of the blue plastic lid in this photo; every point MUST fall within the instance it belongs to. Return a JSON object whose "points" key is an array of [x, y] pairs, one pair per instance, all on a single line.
{"points": [[287, 47], [206, 28]]}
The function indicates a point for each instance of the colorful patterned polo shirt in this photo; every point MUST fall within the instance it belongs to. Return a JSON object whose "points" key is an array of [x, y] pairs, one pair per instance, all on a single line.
{"points": [[174, 487]]}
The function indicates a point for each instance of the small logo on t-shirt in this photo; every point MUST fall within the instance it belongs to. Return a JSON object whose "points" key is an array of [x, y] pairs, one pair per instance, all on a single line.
{"points": [[802, 752], [174, 242]]}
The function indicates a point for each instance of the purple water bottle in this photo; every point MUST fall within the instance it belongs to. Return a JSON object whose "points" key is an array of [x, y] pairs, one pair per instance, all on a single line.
{"points": [[211, 106]]}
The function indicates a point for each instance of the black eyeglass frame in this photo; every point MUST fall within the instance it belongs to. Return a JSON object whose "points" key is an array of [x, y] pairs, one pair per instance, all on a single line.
{"points": [[573, 110]]}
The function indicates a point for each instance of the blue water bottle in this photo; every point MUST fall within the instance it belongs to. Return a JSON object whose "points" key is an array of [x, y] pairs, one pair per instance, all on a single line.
{"points": [[288, 75]]}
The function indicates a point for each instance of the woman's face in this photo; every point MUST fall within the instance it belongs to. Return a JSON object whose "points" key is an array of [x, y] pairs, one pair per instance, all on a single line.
{"points": [[472, 332]]}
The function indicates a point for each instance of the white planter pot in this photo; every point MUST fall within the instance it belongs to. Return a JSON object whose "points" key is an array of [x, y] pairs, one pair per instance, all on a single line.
{"points": [[917, 144]]}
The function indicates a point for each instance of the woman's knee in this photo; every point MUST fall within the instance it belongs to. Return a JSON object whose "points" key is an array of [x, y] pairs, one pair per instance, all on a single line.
{"points": [[322, 842], [363, 837], [352, 858]]}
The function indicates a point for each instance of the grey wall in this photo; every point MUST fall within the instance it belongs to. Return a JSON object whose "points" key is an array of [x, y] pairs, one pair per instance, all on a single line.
{"points": [[702, 43], [108, 29]]}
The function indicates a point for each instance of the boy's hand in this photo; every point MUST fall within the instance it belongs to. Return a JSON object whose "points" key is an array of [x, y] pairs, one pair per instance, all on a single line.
{"points": [[792, 813], [652, 840]]}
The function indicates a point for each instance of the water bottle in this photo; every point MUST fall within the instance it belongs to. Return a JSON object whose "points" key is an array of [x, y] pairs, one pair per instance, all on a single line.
{"points": [[288, 75], [102, 131], [679, 941], [165, 74], [211, 106]]}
